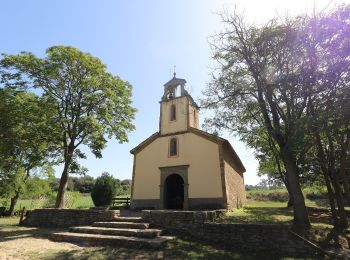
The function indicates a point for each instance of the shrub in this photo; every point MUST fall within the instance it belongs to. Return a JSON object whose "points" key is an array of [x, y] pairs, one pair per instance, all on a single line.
{"points": [[104, 190]]}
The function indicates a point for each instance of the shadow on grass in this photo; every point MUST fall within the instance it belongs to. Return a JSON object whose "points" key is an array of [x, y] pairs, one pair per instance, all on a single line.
{"points": [[182, 247], [324, 203], [14, 232], [337, 238], [274, 215], [260, 215]]}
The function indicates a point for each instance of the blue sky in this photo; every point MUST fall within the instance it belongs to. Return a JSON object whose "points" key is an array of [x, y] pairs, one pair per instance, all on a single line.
{"points": [[140, 41]]}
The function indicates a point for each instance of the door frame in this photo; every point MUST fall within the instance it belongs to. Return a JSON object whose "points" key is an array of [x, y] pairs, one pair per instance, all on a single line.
{"points": [[181, 170]]}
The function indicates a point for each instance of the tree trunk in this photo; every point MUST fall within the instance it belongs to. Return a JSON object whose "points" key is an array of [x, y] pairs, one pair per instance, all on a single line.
{"points": [[343, 222], [346, 185], [331, 198], [344, 159], [290, 200], [64, 179], [14, 200], [301, 218]]}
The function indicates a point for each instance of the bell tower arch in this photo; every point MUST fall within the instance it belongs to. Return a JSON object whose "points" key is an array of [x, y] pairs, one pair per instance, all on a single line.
{"points": [[178, 111]]}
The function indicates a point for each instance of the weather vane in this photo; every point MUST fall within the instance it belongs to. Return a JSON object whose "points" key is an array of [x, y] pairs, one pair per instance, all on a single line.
{"points": [[174, 71]]}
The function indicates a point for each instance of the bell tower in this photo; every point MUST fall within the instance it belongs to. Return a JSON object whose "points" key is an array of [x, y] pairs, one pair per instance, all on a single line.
{"points": [[178, 111]]}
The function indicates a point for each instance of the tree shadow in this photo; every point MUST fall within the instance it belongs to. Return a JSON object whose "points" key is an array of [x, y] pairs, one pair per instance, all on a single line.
{"points": [[183, 247], [321, 216], [336, 242], [264, 215], [14, 232]]}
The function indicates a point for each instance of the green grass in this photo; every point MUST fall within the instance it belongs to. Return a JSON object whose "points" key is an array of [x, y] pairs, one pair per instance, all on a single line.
{"points": [[280, 196], [8, 221], [265, 191], [272, 212], [266, 212], [82, 201]]}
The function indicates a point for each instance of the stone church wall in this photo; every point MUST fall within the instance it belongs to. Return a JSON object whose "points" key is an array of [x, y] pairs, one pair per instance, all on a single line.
{"points": [[235, 190]]}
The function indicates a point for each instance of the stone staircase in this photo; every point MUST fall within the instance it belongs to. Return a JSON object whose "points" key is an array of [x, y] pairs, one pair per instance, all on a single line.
{"points": [[123, 231]]}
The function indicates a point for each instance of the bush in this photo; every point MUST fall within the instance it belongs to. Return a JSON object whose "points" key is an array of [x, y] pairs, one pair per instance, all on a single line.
{"points": [[104, 190]]}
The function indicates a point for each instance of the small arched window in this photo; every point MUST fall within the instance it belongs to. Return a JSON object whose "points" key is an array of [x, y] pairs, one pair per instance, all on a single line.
{"points": [[172, 113], [173, 149]]}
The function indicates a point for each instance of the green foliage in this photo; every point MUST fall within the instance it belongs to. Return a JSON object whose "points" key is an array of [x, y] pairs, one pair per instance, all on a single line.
{"points": [[284, 88], [125, 187], [24, 141], [90, 103], [281, 196], [84, 201], [36, 187], [77, 200], [104, 190], [83, 184]]}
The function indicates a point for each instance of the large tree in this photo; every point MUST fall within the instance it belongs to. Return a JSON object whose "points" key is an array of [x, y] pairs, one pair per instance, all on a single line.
{"points": [[259, 75], [287, 85], [24, 139], [91, 103], [328, 107]]}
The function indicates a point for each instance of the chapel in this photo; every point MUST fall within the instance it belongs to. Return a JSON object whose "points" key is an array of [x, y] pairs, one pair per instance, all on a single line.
{"points": [[181, 166]]}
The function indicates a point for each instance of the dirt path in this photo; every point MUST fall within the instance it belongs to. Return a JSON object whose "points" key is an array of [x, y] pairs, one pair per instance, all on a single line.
{"points": [[34, 248]]}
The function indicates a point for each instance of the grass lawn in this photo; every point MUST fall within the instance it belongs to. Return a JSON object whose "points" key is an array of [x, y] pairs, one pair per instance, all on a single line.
{"points": [[274, 212], [260, 212], [268, 212], [82, 201], [31, 243]]}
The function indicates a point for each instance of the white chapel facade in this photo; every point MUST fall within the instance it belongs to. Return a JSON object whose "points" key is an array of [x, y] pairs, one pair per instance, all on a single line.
{"points": [[181, 166]]}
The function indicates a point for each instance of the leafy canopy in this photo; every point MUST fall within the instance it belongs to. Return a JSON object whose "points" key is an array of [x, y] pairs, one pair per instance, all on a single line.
{"points": [[90, 102]]}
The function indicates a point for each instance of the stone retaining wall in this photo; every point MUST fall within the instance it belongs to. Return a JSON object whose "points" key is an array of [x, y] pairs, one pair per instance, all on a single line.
{"points": [[200, 224], [180, 218], [254, 236], [67, 217]]}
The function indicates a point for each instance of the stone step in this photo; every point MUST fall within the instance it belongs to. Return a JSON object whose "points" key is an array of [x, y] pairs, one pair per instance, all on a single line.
{"points": [[126, 225], [149, 233], [102, 240], [128, 219]]}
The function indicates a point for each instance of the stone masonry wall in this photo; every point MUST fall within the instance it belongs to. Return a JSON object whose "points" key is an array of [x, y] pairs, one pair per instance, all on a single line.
{"points": [[235, 191], [201, 225], [256, 236], [67, 217], [179, 219]]}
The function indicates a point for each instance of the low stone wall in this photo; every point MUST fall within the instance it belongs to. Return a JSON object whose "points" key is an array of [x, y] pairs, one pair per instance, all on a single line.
{"points": [[201, 225], [254, 236], [179, 219], [67, 217]]}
